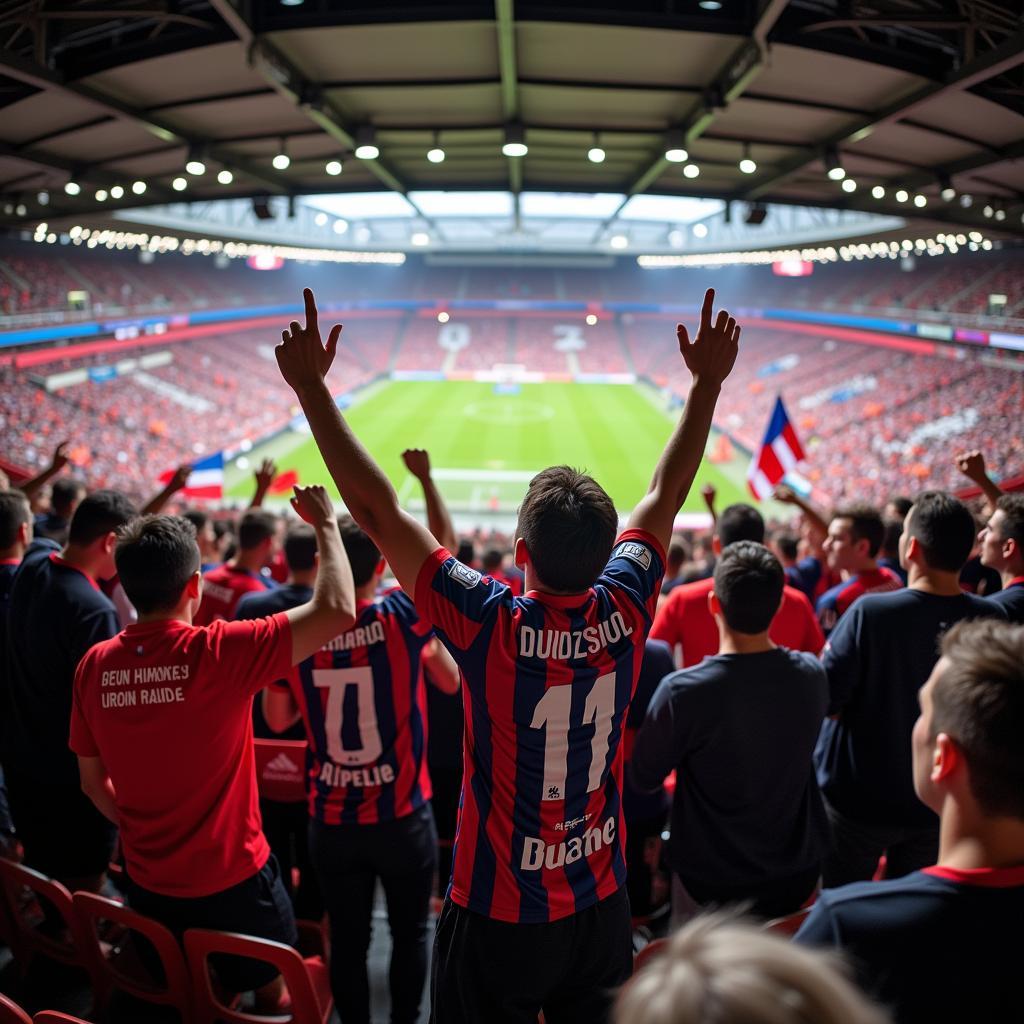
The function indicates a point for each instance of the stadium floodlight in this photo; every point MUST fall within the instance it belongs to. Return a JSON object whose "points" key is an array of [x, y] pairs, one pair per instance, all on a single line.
{"points": [[194, 164], [116, 192], [619, 242], [101, 195], [591, 319], [1000, 215], [72, 188], [515, 141], [675, 149], [179, 184], [282, 160], [138, 187], [436, 154], [691, 171], [340, 226], [596, 153], [878, 192], [225, 177], [21, 209], [443, 317], [43, 198], [333, 168], [710, 5], [700, 230], [920, 201], [366, 143], [902, 195], [747, 165], [420, 238], [948, 194], [849, 185], [836, 171], [676, 239], [320, 219]]}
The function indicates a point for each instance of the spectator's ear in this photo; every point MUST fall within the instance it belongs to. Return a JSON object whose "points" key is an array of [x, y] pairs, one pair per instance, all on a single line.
{"points": [[194, 587], [25, 533], [109, 542], [947, 759], [382, 565], [521, 555], [714, 605], [716, 545]]}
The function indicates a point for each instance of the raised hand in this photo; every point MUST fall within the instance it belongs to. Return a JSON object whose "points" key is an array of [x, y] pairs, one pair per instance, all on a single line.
{"points": [[266, 474], [972, 465], [708, 493], [313, 505], [180, 477], [417, 461], [785, 494], [711, 356], [302, 357], [60, 457]]}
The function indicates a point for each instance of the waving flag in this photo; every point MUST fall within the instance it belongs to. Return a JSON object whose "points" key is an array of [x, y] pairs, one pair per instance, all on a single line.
{"points": [[779, 454], [205, 481]]}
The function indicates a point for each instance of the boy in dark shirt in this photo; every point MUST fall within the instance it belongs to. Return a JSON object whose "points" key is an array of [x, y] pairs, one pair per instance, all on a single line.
{"points": [[747, 818]]}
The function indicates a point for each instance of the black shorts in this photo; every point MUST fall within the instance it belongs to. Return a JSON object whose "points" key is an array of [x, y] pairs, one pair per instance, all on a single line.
{"points": [[501, 973], [63, 834], [258, 906]]}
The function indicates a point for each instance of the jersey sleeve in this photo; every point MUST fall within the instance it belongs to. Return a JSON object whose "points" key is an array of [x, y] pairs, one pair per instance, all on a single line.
{"points": [[457, 600], [402, 607], [81, 739], [842, 659], [252, 653], [637, 567]]}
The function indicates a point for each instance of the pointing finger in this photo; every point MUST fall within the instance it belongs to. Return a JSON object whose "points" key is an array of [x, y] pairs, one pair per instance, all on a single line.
{"points": [[311, 314], [332, 340], [705, 310]]}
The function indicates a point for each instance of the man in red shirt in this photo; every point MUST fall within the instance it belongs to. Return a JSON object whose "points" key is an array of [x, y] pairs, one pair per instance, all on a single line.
{"points": [[223, 586], [685, 616], [161, 723]]}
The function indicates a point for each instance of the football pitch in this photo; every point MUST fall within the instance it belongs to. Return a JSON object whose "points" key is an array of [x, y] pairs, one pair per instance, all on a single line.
{"points": [[486, 445]]}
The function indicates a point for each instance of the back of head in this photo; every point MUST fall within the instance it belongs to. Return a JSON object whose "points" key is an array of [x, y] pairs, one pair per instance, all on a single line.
{"points": [[300, 547], [865, 524], [65, 493], [891, 538], [466, 553], [256, 527], [363, 554], [196, 518], [739, 522], [1012, 528], [978, 701], [15, 512], [155, 557], [100, 513], [717, 970], [787, 544], [944, 530], [899, 506], [676, 557], [491, 562], [568, 524], [748, 582]]}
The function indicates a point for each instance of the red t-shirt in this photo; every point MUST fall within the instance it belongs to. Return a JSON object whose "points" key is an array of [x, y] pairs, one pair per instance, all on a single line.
{"points": [[223, 588], [684, 618], [167, 707]]}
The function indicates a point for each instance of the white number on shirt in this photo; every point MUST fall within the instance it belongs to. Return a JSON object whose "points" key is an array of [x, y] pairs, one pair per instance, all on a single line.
{"points": [[553, 712], [337, 682]]}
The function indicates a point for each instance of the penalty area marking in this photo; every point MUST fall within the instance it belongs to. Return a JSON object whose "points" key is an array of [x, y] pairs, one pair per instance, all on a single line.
{"points": [[509, 414]]}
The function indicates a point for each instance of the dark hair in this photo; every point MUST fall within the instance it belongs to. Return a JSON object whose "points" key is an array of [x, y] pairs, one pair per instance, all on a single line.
{"points": [[156, 556], [1012, 507], [739, 522], [466, 553], [944, 528], [891, 537], [493, 557], [15, 511], [196, 518], [300, 547], [748, 582], [788, 545], [568, 524], [363, 554], [100, 513], [64, 493], [256, 527], [865, 524], [979, 702], [678, 555], [902, 504]]}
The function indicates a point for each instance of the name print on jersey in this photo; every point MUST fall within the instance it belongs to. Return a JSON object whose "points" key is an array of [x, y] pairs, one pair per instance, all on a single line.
{"points": [[143, 677], [564, 645]]}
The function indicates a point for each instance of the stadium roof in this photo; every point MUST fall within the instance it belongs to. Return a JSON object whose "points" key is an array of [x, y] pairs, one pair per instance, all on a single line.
{"points": [[926, 96]]}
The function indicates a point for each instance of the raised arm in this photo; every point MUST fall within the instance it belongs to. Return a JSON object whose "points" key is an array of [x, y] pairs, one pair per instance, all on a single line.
{"points": [[366, 491], [417, 461], [708, 493], [788, 496], [709, 358], [264, 477], [332, 609], [155, 504], [57, 463], [972, 465]]}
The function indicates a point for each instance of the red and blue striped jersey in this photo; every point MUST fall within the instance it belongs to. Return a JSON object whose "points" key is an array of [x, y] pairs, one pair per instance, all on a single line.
{"points": [[547, 682], [364, 706]]}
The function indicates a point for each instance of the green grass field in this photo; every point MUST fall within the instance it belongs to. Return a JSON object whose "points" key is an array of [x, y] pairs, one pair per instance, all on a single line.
{"points": [[484, 446]]}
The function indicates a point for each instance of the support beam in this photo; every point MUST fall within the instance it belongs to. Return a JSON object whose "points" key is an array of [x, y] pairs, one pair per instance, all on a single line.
{"points": [[1008, 55], [505, 19]]}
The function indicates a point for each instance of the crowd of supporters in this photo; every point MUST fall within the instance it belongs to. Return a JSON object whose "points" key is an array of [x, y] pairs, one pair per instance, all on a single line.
{"points": [[836, 755]]}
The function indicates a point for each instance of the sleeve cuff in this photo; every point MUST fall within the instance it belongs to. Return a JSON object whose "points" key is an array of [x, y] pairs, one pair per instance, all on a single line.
{"points": [[647, 538]]}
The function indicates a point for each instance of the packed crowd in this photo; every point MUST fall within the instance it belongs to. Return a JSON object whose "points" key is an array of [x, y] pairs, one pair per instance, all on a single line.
{"points": [[822, 715]]}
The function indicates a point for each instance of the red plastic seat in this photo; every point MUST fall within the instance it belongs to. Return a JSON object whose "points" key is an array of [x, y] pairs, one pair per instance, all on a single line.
{"points": [[11, 1012], [307, 980], [122, 969], [56, 1017], [648, 953], [790, 924], [281, 770], [28, 921]]}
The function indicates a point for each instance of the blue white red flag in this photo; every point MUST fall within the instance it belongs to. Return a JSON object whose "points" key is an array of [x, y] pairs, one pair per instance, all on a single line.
{"points": [[205, 481], [779, 454]]}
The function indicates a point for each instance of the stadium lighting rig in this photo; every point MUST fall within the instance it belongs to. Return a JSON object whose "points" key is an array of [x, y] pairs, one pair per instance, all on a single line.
{"points": [[596, 153], [747, 165], [366, 143], [835, 170], [515, 141], [436, 154], [675, 150]]}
